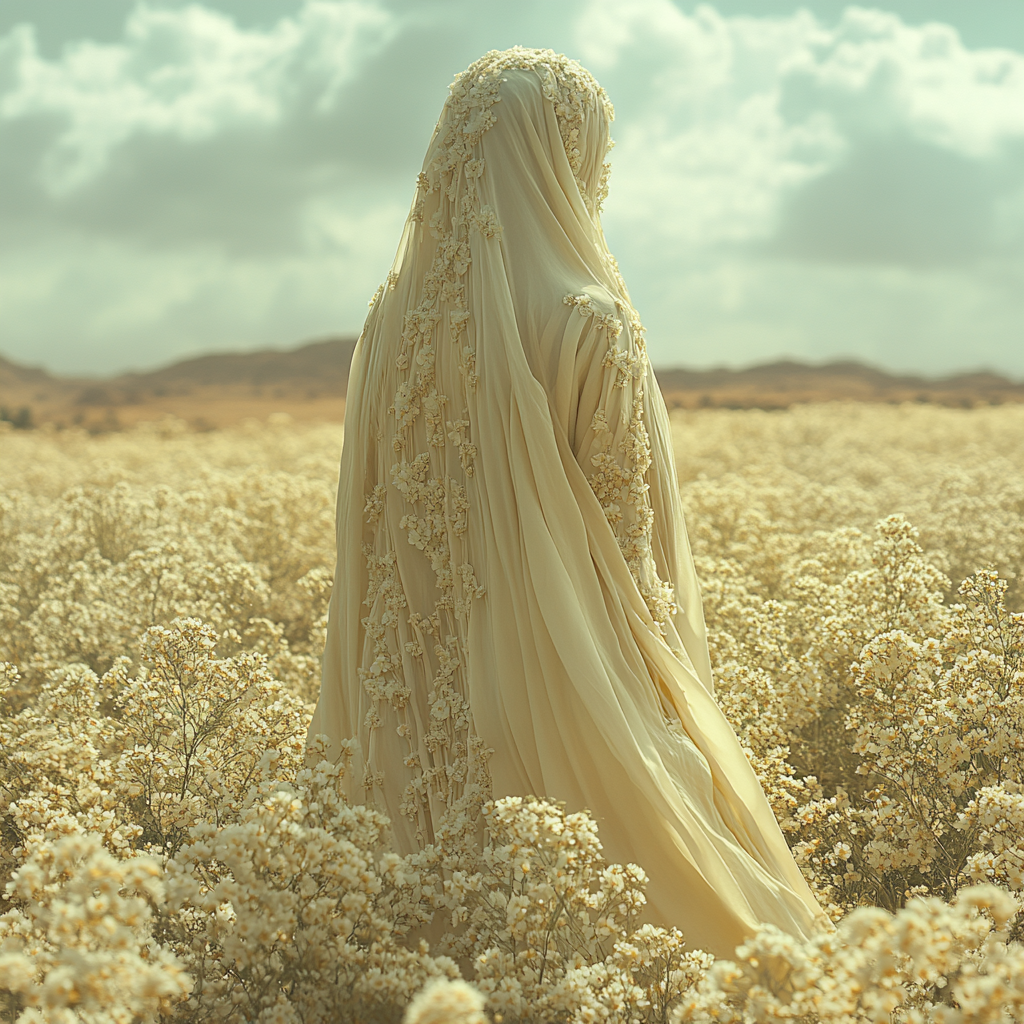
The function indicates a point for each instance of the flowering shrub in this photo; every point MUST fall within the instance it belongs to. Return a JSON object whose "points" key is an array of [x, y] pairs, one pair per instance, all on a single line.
{"points": [[551, 930], [166, 852], [78, 943], [937, 730], [298, 909], [446, 1002], [931, 961], [103, 538]]}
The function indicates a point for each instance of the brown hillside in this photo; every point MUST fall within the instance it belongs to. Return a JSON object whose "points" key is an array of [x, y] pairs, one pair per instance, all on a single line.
{"points": [[210, 391], [779, 385], [308, 383]]}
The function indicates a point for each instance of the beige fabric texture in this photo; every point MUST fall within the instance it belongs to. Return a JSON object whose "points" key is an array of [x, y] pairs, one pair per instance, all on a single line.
{"points": [[515, 593]]}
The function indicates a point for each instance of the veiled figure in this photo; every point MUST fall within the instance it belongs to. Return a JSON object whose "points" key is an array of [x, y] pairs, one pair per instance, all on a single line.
{"points": [[515, 592]]}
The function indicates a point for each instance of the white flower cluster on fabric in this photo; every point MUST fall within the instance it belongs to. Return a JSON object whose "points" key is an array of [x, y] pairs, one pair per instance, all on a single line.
{"points": [[621, 457], [566, 84], [429, 428]]}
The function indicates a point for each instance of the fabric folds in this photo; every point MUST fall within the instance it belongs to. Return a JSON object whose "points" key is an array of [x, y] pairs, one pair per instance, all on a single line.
{"points": [[515, 593]]}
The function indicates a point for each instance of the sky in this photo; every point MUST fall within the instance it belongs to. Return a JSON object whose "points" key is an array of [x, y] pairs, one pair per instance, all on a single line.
{"points": [[811, 181]]}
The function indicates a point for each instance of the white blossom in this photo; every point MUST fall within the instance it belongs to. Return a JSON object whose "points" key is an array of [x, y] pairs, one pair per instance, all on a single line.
{"points": [[166, 852]]}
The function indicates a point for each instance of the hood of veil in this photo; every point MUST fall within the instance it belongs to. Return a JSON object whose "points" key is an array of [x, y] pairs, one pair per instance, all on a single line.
{"points": [[518, 161]]}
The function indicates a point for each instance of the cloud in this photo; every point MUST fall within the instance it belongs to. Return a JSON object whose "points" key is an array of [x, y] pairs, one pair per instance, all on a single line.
{"points": [[191, 130], [90, 305], [780, 186], [198, 185], [873, 75], [194, 185], [933, 148], [745, 128], [185, 75], [892, 201]]}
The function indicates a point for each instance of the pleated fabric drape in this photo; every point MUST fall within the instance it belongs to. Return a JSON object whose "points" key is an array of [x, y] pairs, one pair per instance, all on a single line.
{"points": [[515, 593]]}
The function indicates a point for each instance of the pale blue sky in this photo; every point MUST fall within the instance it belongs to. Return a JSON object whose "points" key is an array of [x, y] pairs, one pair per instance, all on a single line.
{"points": [[812, 181]]}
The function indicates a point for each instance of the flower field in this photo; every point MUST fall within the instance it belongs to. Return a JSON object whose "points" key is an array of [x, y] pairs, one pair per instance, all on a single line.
{"points": [[168, 855]]}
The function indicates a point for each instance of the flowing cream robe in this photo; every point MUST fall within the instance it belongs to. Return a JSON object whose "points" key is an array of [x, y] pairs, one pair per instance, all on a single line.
{"points": [[513, 568]]}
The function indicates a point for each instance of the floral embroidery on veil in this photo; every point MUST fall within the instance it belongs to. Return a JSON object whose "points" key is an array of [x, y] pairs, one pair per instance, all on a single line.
{"points": [[432, 483]]}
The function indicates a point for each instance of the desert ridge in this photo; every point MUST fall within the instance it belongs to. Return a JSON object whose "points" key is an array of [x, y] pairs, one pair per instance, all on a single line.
{"points": [[207, 392], [309, 383]]}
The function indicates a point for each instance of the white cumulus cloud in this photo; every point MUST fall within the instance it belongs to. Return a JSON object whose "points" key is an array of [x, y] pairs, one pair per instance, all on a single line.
{"points": [[739, 114], [789, 187], [187, 75], [781, 186]]}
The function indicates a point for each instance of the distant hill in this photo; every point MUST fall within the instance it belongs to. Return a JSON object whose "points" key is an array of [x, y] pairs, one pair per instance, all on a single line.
{"points": [[207, 391], [309, 383], [781, 384]]}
